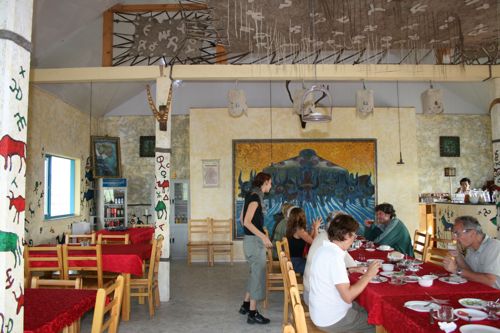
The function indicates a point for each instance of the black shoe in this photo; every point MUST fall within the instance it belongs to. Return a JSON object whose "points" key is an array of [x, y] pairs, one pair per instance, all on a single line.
{"points": [[243, 310], [257, 319]]}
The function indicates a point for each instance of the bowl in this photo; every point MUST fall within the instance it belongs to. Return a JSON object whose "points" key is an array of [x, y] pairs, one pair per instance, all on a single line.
{"points": [[384, 247], [387, 267], [425, 281]]}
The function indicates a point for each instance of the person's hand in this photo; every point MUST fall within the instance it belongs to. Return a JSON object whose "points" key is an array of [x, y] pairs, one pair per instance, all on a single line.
{"points": [[373, 268], [369, 223], [450, 264], [316, 223], [267, 242]]}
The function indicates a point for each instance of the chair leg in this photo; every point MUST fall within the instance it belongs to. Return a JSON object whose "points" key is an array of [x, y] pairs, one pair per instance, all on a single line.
{"points": [[232, 255], [157, 296], [265, 303], [150, 302], [285, 307]]}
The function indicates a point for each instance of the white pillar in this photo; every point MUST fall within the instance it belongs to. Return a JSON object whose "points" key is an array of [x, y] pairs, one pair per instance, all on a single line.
{"points": [[15, 53], [162, 193], [495, 137]]}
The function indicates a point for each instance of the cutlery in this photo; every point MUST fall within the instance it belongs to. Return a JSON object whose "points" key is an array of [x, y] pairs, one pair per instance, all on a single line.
{"points": [[437, 301], [428, 304], [431, 318]]}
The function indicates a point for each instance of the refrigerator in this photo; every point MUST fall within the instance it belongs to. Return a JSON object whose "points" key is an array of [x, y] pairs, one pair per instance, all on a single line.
{"points": [[112, 203]]}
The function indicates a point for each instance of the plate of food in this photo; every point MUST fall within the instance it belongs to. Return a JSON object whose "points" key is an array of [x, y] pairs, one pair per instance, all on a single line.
{"points": [[453, 279], [384, 248], [470, 314], [422, 306], [411, 278], [473, 303], [378, 279]]}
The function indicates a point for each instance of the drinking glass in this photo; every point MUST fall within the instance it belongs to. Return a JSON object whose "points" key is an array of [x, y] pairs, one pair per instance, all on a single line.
{"points": [[361, 257], [445, 313], [370, 245], [492, 308]]}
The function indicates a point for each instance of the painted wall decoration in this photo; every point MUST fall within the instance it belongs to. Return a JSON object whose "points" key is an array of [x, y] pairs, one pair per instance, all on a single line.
{"points": [[106, 156], [318, 175]]}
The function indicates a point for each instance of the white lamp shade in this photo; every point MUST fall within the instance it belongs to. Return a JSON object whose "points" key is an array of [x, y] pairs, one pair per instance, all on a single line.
{"points": [[237, 102], [364, 101], [432, 101]]}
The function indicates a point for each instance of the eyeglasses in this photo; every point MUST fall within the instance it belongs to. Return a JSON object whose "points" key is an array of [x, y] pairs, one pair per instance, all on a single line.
{"points": [[459, 233]]}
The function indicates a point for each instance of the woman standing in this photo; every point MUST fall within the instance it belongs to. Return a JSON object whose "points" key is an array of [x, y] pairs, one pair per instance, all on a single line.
{"points": [[254, 246], [298, 237]]}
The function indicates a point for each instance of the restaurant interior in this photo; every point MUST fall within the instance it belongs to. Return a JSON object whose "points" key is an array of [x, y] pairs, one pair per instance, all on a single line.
{"points": [[164, 111]]}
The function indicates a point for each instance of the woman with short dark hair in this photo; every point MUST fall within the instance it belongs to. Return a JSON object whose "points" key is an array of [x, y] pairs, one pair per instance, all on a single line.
{"points": [[331, 294], [255, 242]]}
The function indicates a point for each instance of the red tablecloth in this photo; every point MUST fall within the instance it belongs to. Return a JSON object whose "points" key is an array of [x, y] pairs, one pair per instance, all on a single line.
{"points": [[398, 319], [374, 296], [136, 235], [50, 310]]}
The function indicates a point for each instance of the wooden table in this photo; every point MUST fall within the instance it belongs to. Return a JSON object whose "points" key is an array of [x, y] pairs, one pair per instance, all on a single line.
{"points": [[50, 310], [136, 235]]}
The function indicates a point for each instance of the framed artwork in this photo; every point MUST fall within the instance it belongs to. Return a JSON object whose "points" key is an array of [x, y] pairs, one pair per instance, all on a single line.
{"points": [[320, 176], [147, 146], [449, 146], [210, 169], [106, 157]]}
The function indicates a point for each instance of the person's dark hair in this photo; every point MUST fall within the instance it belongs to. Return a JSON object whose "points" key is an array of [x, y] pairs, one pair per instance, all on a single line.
{"points": [[465, 180], [296, 220], [470, 222], [386, 208], [340, 226], [260, 179]]}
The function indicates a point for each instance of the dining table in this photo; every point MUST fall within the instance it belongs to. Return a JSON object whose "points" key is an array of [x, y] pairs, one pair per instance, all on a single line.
{"points": [[50, 310], [378, 298], [136, 235]]}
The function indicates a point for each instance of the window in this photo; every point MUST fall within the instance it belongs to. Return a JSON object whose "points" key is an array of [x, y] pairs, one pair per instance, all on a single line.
{"points": [[59, 187]]}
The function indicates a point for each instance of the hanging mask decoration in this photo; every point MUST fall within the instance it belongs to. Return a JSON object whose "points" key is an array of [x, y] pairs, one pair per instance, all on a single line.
{"points": [[364, 101], [237, 102], [432, 101]]}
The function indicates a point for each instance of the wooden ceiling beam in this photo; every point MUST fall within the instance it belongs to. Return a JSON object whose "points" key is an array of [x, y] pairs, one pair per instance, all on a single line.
{"points": [[367, 72]]}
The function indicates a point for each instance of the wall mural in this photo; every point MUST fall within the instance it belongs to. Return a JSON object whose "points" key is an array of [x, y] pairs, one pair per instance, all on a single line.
{"points": [[318, 175]]}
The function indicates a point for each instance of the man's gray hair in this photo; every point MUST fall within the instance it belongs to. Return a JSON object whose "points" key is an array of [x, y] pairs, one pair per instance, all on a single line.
{"points": [[470, 222]]}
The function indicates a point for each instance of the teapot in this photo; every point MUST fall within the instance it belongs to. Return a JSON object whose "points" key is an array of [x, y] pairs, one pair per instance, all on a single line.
{"points": [[474, 196]]}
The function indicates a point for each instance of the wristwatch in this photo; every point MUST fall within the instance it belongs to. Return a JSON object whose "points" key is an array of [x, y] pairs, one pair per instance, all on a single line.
{"points": [[459, 271]]}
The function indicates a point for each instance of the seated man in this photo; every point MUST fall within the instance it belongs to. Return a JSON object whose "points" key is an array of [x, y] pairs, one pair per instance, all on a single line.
{"points": [[482, 259], [331, 294], [389, 230], [280, 227]]}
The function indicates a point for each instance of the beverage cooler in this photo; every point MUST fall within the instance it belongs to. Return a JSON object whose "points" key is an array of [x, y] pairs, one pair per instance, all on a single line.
{"points": [[112, 203]]}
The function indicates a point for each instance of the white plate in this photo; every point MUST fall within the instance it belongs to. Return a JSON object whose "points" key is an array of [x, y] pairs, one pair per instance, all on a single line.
{"points": [[422, 306], [389, 249], [411, 279], [378, 279], [452, 279], [389, 274], [473, 303], [369, 261], [370, 250], [471, 328], [475, 315]]}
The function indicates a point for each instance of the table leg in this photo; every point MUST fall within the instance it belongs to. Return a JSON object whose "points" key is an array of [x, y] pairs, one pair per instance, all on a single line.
{"points": [[126, 298]]}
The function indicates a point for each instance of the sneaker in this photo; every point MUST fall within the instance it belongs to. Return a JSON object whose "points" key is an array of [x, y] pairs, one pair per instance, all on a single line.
{"points": [[243, 309], [257, 319]]}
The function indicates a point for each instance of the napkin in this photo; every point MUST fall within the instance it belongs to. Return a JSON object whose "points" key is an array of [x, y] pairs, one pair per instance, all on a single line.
{"points": [[447, 327]]}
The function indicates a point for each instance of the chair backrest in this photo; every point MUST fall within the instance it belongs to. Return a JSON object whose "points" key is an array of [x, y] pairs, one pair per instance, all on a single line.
{"points": [[154, 260], [441, 243], [286, 247], [83, 258], [113, 239], [299, 315], [36, 282], [420, 242], [199, 230], [288, 328], [436, 254], [102, 307], [292, 276], [43, 259], [221, 230], [284, 270], [77, 239]]}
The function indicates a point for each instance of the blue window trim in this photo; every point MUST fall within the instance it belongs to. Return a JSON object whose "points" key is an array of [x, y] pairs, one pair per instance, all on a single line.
{"points": [[48, 195]]}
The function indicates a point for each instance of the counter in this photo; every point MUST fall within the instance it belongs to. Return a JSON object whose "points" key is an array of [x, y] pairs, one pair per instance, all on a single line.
{"points": [[446, 213]]}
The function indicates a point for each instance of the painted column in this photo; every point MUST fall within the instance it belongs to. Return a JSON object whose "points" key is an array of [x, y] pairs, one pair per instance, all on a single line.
{"points": [[495, 137], [162, 185], [15, 54]]}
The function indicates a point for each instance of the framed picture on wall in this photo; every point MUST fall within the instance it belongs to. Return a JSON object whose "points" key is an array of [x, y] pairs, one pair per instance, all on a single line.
{"points": [[106, 157], [147, 146], [449, 146], [210, 169]]}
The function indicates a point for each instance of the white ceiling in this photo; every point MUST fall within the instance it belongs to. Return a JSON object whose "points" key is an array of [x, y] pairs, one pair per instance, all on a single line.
{"points": [[68, 33]]}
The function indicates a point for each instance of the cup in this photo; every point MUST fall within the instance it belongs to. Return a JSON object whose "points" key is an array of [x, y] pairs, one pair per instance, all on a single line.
{"points": [[492, 308], [397, 279], [444, 313], [387, 267], [425, 281]]}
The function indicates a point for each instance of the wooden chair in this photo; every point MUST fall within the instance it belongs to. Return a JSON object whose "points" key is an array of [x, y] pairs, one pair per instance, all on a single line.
{"points": [[147, 286], [36, 282], [113, 239], [103, 306], [286, 247], [436, 254], [420, 242], [286, 284], [199, 238], [83, 259], [303, 323], [77, 239], [288, 328], [221, 234], [274, 280], [43, 255]]}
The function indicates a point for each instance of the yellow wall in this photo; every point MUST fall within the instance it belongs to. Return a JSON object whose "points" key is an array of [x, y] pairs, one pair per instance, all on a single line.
{"points": [[212, 132]]}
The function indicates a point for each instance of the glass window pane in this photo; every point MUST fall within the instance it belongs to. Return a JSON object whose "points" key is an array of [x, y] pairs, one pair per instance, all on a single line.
{"points": [[60, 186]]}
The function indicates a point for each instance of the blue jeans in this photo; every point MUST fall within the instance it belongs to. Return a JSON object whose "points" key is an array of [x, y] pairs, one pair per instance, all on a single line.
{"points": [[299, 264]]}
